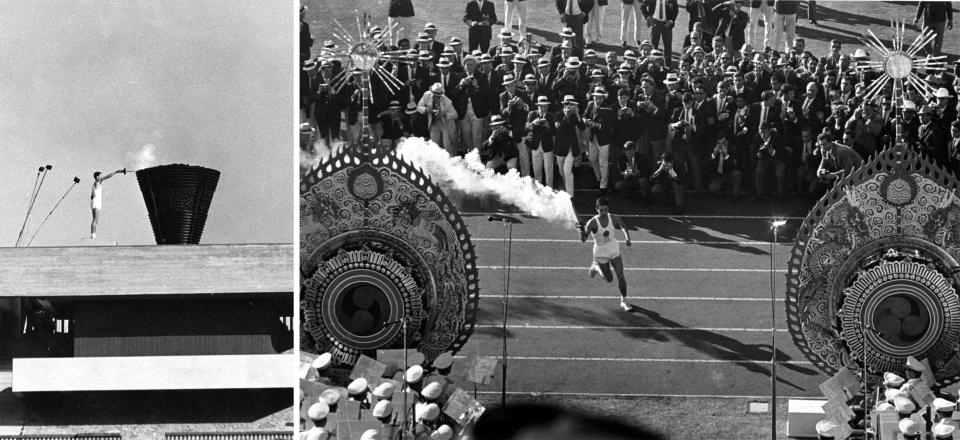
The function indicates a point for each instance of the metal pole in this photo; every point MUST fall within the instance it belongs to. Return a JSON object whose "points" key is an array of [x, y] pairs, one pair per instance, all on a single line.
{"points": [[773, 332], [507, 242], [406, 411]]}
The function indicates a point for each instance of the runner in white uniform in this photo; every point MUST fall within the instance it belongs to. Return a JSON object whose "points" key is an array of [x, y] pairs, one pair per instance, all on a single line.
{"points": [[96, 198], [606, 248]]}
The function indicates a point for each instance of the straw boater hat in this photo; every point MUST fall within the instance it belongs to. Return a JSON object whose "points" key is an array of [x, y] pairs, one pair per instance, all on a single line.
{"points": [[429, 27], [444, 63], [508, 79], [543, 62], [942, 93], [599, 91], [306, 128], [671, 78], [645, 43], [589, 53], [597, 73], [567, 33], [486, 58], [411, 108], [423, 37], [448, 51], [541, 100], [569, 99], [909, 106], [630, 55], [573, 63], [309, 65], [425, 55], [656, 53], [395, 105], [529, 79], [436, 89], [731, 71], [624, 68], [456, 41], [495, 121], [318, 411], [520, 59]]}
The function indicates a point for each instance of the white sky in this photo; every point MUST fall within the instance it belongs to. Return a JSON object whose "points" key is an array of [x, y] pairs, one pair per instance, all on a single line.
{"points": [[85, 85]]}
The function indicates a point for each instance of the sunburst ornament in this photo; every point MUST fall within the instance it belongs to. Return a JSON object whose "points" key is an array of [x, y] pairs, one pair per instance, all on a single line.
{"points": [[899, 64], [362, 57]]}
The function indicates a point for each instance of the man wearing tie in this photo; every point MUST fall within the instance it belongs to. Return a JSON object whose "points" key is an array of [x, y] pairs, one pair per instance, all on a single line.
{"points": [[660, 16], [479, 16]]}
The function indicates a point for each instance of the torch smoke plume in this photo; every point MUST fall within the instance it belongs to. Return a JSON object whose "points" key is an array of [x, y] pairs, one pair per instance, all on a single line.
{"points": [[144, 158], [469, 175]]}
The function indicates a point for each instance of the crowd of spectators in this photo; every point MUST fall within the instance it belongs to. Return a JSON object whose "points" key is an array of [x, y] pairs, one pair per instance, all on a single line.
{"points": [[723, 116]]}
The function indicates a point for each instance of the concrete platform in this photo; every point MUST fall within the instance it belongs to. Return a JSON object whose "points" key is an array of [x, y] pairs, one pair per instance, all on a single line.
{"points": [[154, 373]]}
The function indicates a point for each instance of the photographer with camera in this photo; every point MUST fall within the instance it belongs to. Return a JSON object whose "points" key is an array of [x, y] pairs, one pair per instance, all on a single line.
{"points": [[471, 105], [499, 149], [541, 128], [514, 110], [441, 117], [771, 156], [566, 144], [599, 118], [666, 177], [724, 167]]}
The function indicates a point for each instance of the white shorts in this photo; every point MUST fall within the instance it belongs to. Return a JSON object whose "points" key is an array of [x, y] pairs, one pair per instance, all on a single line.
{"points": [[603, 254], [96, 203]]}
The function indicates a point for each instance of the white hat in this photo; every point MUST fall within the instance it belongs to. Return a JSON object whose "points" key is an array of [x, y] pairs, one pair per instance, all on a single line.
{"points": [[656, 53], [384, 390], [942, 93], [382, 409], [322, 362], [508, 79], [444, 62], [436, 89], [731, 71], [370, 434], [671, 78], [567, 33], [892, 380], [909, 426], [589, 53], [573, 63], [317, 433], [431, 391], [599, 91], [909, 105], [904, 405], [330, 396], [943, 405], [885, 406], [430, 27], [427, 411], [827, 428], [318, 411], [942, 431], [495, 121], [860, 53], [444, 432], [645, 43], [569, 99], [358, 386], [893, 393], [630, 55], [414, 374]]}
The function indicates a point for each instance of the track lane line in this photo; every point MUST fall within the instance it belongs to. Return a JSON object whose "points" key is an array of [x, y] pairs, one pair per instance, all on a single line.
{"points": [[629, 327], [719, 217], [637, 269], [634, 298], [635, 395], [602, 359], [706, 243]]}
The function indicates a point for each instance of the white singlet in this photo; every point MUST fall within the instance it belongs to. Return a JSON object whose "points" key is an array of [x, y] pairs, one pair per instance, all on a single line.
{"points": [[96, 200], [605, 246]]}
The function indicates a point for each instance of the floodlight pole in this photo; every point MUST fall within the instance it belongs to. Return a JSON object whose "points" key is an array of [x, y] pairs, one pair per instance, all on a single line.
{"points": [[776, 224]]}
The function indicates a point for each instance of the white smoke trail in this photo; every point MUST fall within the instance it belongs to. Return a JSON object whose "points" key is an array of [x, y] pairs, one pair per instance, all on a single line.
{"points": [[470, 175], [144, 158]]}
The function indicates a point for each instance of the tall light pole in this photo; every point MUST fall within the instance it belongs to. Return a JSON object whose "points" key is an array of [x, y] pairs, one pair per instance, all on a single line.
{"points": [[507, 244], [775, 225]]}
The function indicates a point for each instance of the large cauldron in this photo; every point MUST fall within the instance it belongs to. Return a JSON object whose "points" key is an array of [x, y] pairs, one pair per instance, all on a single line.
{"points": [[178, 198]]}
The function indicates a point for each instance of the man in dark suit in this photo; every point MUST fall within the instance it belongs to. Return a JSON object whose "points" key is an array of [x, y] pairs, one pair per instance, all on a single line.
{"points": [[479, 17], [930, 138], [771, 159], [660, 16], [835, 161], [541, 128], [936, 16], [470, 102], [573, 14]]}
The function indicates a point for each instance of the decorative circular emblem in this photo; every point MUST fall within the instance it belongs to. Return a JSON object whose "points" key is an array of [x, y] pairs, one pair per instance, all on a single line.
{"points": [[898, 65], [873, 271], [380, 242], [899, 309], [365, 184], [898, 189]]}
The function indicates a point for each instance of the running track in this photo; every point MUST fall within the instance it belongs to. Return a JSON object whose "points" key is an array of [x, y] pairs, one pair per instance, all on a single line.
{"points": [[700, 285]]}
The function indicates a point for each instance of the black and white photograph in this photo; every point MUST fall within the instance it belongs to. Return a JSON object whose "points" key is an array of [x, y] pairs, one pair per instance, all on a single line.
{"points": [[636, 219], [147, 275]]}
